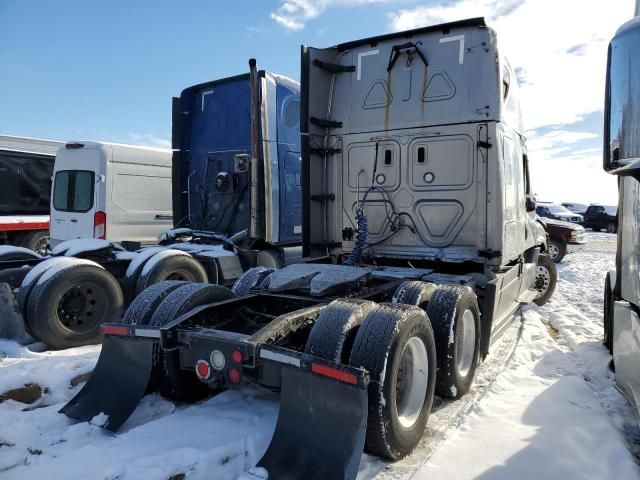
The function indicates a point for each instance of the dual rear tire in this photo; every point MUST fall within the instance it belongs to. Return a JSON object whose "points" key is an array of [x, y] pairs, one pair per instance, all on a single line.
{"points": [[410, 354]]}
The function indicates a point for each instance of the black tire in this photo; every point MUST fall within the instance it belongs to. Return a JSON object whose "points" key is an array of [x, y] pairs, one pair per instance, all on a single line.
{"points": [[30, 280], [414, 293], [66, 309], [136, 265], [252, 278], [611, 227], [545, 285], [38, 241], [170, 265], [608, 313], [387, 332], [170, 380], [335, 328], [456, 364], [144, 305], [186, 298], [557, 249]]}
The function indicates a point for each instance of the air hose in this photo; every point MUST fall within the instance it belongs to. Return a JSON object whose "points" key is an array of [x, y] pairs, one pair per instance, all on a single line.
{"points": [[361, 238]]}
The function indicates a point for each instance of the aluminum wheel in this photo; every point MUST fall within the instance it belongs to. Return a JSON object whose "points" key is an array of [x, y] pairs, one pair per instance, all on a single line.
{"points": [[554, 251], [466, 343], [41, 246], [412, 382], [543, 280]]}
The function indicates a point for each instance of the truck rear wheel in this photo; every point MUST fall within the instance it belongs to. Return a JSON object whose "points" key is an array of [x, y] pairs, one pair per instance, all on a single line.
{"points": [[10, 252], [395, 344], [170, 265], [414, 293], [66, 309], [455, 318], [144, 305], [546, 278], [334, 331], [133, 271], [38, 241], [172, 381]]}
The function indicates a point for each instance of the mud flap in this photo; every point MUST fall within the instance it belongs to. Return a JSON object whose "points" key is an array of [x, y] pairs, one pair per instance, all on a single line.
{"points": [[117, 384], [12, 324], [321, 428]]}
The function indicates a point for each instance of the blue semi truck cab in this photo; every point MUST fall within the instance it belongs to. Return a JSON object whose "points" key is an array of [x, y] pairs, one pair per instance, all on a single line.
{"points": [[219, 184]]}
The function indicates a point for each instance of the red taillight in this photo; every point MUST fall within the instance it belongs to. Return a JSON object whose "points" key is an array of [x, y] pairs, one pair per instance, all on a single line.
{"points": [[100, 225], [234, 375], [115, 330], [237, 356], [203, 370], [334, 373]]}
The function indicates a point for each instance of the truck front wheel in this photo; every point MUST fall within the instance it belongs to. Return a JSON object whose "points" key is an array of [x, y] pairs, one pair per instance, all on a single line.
{"points": [[546, 278]]}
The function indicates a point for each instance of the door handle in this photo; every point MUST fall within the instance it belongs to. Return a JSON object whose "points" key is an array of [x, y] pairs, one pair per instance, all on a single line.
{"points": [[74, 220]]}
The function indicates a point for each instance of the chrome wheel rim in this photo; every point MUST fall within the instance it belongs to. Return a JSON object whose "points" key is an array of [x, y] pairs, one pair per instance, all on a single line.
{"points": [[554, 251], [466, 344], [41, 246], [543, 280], [412, 382]]}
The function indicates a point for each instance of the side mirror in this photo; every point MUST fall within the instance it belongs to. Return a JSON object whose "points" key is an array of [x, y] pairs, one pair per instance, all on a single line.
{"points": [[530, 204]]}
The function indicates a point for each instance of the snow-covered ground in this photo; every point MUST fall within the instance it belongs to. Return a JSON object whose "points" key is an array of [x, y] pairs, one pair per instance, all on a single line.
{"points": [[543, 406]]}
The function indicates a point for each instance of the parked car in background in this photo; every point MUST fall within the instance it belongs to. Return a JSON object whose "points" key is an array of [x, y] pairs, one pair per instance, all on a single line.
{"points": [[578, 208], [601, 217], [564, 238], [557, 212]]}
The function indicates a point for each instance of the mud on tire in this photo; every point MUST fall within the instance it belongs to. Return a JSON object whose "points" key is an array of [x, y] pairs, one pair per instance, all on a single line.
{"points": [[395, 344], [455, 318], [66, 310]]}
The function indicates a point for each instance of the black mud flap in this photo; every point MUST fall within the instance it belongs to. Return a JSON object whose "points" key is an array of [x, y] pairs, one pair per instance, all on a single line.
{"points": [[12, 324], [117, 384], [321, 426]]}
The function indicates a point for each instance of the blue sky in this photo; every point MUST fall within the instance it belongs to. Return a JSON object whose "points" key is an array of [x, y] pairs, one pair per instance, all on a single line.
{"points": [[106, 70]]}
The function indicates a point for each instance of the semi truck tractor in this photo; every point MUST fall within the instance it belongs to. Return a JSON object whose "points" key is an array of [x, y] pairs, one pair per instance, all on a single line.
{"points": [[26, 167], [419, 247], [236, 204], [622, 158]]}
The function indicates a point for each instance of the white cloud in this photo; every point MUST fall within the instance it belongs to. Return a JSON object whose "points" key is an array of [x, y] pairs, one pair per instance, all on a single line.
{"points": [[294, 14], [559, 46], [148, 140]]}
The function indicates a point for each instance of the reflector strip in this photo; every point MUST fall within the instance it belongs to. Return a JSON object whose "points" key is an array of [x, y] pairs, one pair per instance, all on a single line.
{"points": [[145, 332], [279, 357], [115, 330], [333, 373]]}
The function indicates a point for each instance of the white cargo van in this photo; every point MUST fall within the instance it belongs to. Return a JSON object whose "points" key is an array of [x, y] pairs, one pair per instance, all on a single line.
{"points": [[110, 191]]}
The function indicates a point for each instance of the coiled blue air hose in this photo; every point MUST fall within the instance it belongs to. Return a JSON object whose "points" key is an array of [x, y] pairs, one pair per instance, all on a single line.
{"points": [[361, 239]]}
